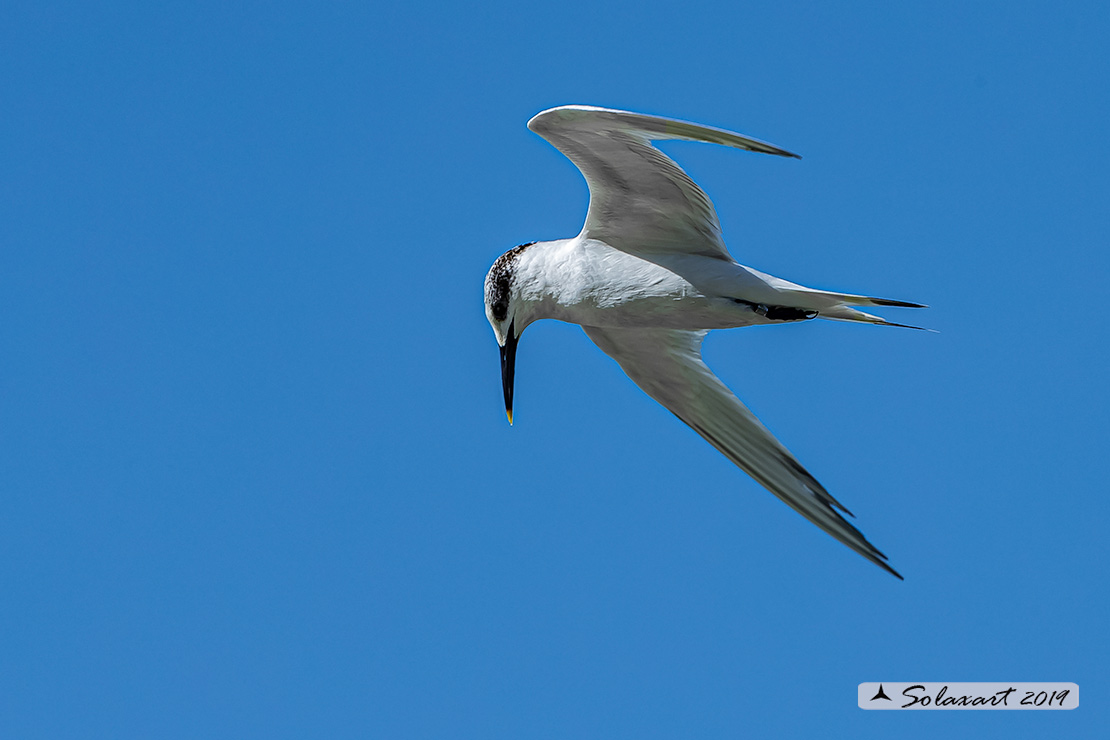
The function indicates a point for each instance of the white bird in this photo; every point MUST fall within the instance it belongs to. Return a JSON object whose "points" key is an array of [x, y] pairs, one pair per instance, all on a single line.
{"points": [[649, 276]]}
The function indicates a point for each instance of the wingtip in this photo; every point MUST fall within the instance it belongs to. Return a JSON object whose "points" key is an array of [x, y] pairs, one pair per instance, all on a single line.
{"points": [[878, 558], [905, 326], [894, 303], [874, 554], [777, 151]]}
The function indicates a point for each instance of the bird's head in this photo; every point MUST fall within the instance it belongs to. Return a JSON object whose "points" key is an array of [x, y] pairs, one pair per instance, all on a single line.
{"points": [[507, 314]]}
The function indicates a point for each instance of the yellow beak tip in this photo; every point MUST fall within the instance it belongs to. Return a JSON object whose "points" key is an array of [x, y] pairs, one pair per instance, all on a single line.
{"points": [[509, 413]]}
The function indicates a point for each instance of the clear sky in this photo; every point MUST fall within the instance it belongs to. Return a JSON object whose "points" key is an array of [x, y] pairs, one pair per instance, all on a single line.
{"points": [[256, 475]]}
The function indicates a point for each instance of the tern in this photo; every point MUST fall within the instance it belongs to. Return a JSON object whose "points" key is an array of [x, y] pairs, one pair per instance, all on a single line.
{"points": [[649, 276]]}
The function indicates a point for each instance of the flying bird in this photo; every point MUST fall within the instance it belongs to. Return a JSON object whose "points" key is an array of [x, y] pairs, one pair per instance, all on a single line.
{"points": [[649, 276]]}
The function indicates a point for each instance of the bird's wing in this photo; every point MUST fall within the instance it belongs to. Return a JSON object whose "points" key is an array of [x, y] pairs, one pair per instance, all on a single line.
{"points": [[640, 200], [668, 366]]}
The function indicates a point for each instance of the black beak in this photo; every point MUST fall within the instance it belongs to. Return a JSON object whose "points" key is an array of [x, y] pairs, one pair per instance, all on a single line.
{"points": [[508, 366]]}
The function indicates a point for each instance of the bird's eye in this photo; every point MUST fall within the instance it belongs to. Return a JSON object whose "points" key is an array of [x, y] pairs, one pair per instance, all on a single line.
{"points": [[500, 310]]}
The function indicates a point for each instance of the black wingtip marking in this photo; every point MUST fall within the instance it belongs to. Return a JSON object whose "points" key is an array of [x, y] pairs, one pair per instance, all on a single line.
{"points": [[879, 559], [867, 550], [906, 326], [780, 153], [896, 304]]}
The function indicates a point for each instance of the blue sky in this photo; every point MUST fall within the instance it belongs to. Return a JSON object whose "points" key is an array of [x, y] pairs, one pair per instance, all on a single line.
{"points": [[257, 479]]}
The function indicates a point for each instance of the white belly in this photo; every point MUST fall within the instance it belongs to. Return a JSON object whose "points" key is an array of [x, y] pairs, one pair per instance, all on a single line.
{"points": [[604, 287]]}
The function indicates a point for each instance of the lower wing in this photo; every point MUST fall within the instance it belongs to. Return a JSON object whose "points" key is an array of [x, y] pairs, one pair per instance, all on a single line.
{"points": [[667, 365]]}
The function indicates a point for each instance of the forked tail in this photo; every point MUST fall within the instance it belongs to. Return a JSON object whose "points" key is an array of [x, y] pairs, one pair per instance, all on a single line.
{"points": [[838, 306], [842, 309]]}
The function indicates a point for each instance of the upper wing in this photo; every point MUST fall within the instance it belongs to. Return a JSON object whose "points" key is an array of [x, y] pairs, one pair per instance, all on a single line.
{"points": [[667, 365], [640, 200]]}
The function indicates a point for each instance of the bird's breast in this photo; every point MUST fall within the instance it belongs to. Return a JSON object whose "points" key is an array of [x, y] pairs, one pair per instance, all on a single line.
{"points": [[605, 287]]}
